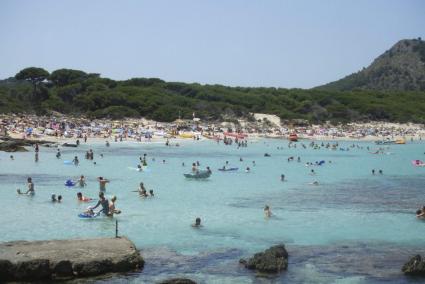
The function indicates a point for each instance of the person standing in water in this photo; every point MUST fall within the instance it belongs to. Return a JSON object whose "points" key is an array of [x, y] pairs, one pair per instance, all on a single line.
{"points": [[102, 202], [267, 211], [75, 161], [30, 186], [102, 183], [82, 181], [197, 223]]}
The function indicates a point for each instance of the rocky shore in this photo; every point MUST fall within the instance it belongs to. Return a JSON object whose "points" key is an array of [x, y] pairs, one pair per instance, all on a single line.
{"points": [[66, 259], [8, 144]]}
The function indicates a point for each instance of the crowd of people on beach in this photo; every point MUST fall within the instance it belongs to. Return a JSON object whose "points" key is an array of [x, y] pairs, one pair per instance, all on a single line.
{"points": [[62, 127]]}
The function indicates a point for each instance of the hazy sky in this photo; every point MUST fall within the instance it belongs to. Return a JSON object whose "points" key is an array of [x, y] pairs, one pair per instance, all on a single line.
{"points": [[231, 42]]}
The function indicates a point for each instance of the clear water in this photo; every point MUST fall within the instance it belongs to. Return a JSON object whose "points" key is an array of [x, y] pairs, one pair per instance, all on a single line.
{"points": [[351, 210]]}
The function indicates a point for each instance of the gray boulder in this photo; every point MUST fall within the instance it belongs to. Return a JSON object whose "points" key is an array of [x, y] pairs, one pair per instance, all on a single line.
{"points": [[36, 269], [178, 281], [415, 266], [12, 146], [272, 260]]}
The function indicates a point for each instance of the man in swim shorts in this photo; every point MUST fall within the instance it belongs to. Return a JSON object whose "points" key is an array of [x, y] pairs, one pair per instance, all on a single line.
{"points": [[103, 202]]}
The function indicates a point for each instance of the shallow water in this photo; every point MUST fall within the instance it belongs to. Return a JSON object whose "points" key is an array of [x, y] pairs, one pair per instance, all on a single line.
{"points": [[353, 218]]}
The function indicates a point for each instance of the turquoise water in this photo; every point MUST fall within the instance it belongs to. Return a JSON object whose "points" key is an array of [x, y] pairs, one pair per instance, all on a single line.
{"points": [[350, 207]]}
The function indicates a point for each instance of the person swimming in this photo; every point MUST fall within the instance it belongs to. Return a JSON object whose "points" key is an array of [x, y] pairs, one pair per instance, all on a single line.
{"points": [[82, 198], [267, 211], [420, 213], [247, 170], [151, 193], [53, 198], [142, 190], [58, 154], [12, 158], [282, 177], [139, 168], [197, 223]]}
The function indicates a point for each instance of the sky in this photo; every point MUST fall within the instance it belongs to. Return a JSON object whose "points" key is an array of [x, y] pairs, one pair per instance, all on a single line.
{"points": [[271, 43]]}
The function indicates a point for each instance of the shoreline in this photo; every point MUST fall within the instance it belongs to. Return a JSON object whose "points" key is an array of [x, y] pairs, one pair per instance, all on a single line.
{"points": [[65, 129]]}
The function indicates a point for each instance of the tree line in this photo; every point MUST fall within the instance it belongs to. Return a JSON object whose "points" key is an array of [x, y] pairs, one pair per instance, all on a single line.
{"points": [[35, 90]]}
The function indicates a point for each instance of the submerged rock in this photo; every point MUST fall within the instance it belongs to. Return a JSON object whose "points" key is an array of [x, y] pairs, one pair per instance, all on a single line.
{"points": [[178, 281], [415, 266], [272, 260]]}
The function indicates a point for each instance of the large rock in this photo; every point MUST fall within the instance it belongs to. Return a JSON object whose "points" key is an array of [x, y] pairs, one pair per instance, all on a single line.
{"points": [[272, 260], [64, 259], [415, 266], [178, 281], [12, 146]]}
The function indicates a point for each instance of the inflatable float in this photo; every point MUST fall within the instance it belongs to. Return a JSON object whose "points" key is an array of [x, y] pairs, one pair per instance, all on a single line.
{"points": [[228, 170], [87, 215], [418, 163], [69, 183]]}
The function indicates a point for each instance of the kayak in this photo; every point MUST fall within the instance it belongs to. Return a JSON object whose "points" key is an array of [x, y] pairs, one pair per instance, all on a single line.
{"points": [[203, 174], [228, 170]]}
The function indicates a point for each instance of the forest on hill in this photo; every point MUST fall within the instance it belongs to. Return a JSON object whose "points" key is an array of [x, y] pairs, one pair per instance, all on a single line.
{"points": [[401, 68], [34, 90]]}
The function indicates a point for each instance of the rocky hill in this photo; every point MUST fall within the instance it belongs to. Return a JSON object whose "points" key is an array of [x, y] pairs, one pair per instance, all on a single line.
{"points": [[401, 68]]}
